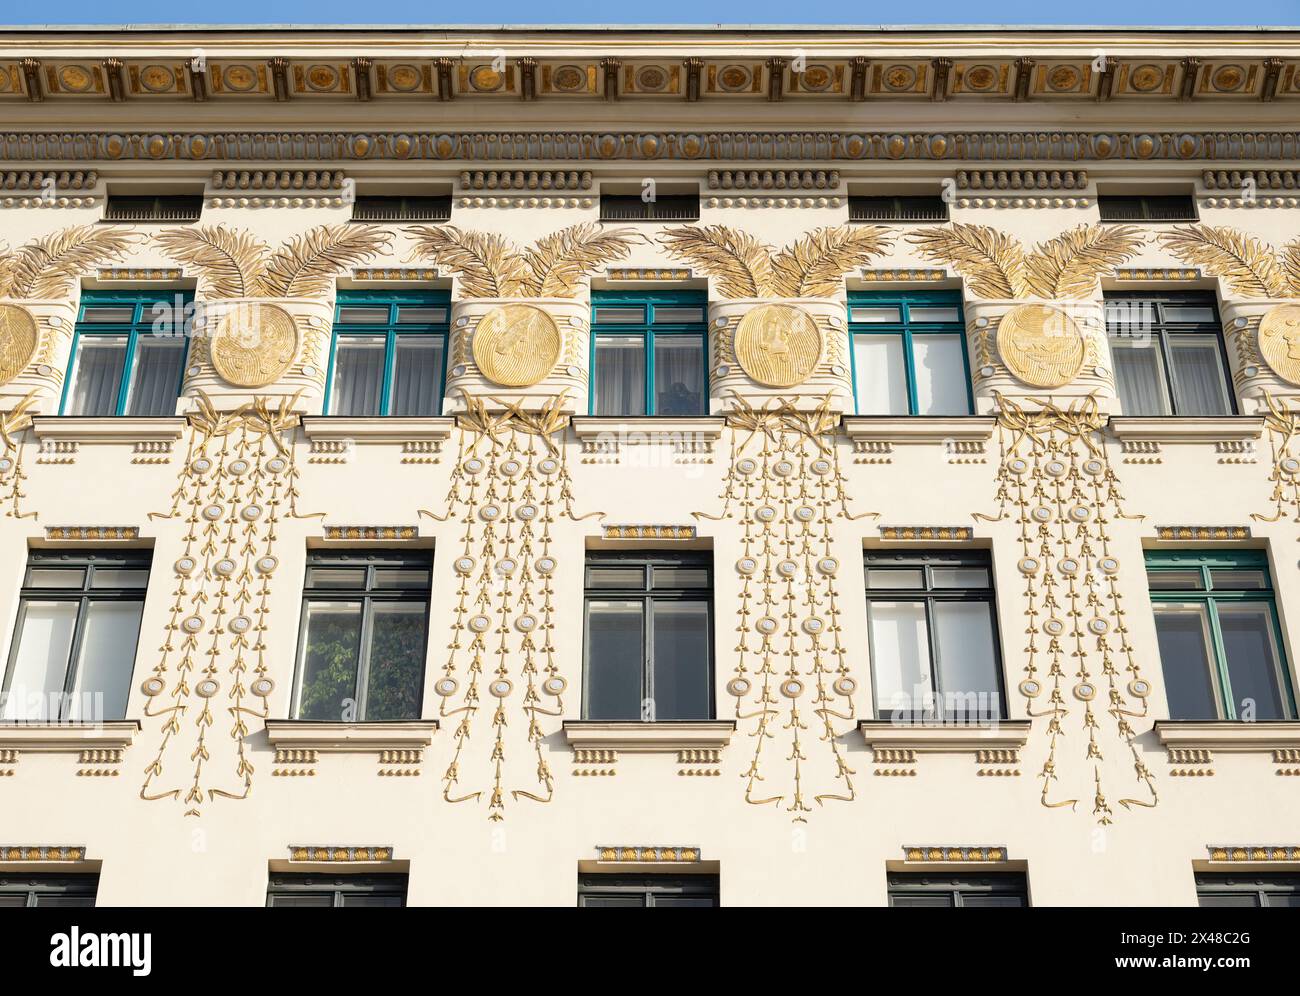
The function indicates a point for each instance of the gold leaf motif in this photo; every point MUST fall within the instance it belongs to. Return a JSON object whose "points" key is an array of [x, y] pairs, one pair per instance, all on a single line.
{"points": [[307, 264], [741, 263], [992, 261], [1248, 265], [557, 262], [1291, 265], [49, 266], [488, 264], [814, 264], [230, 261], [1068, 265]]}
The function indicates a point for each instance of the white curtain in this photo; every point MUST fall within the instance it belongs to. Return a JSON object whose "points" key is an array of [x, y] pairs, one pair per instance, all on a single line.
{"points": [[97, 376], [156, 375], [940, 366], [881, 374], [679, 375], [417, 376], [1139, 376], [358, 376], [1198, 375], [619, 377]]}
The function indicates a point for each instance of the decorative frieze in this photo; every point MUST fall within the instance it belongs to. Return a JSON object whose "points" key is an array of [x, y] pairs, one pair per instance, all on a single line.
{"points": [[772, 202], [1253, 853], [1022, 179], [774, 179], [648, 274], [372, 532], [1202, 533], [56, 201], [100, 762], [1158, 274], [1263, 179], [902, 276], [270, 179], [1251, 202], [527, 179], [334, 854], [639, 532], [570, 203], [625, 854], [398, 748], [277, 201], [48, 180], [43, 853], [1023, 202], [932, 533], [589, 763], [115, 274], [295, 763], [930, 854], [1193, 747], [394, 274], [82, 533]]}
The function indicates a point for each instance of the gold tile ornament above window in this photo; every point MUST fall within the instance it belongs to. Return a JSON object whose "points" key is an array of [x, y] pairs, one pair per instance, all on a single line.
{"points": [[372, 532], [936, 855], [1253, 852], [658, 855], [649, 532], [927, 532], [1203, 532], [339, 855], [60, 852], [92, 532]]}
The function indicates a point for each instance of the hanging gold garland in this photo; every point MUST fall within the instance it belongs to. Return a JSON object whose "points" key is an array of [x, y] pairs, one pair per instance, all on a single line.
{"points": [[1283, 427], [510, 483], [239, 479], [785, 485], [1055, 480], [13, 428]]}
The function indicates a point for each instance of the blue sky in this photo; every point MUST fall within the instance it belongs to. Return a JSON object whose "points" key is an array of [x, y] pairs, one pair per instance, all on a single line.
{"points": [[1190, 12]]}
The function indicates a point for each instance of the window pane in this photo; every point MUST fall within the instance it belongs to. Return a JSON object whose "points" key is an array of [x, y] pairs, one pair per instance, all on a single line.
{"points": [[894, 577], [1227, 900], [919, 315], [900, 659], [1186, 313], [155, 375], [1234, 580], [681, 660], [119, 577], [1139, 376], [940, 365], [679, 375], [368, 902], [678, 316], [980, 901], [945, 899], [402, 577], [681, 577], [56, 577], [612, 902], [59, 901], [1188, 580], [1183, 635], [620, 375], [97, 375], [106, 314], [298, 900], [357, 315], [968, 667], [396, 660], [615, 641], [959, 577], [44, 638], [336, 577], [619, 316], [415, 315], [616, 577], [1252, 658], [881, 374], [1199, 385], [875, 314], [417, 375], [331, 644], [106, 660], [684, 902], [358, 376]]}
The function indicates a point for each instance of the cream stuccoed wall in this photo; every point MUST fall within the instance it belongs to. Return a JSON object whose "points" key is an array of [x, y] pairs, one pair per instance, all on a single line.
{"points": [[165, 829]]}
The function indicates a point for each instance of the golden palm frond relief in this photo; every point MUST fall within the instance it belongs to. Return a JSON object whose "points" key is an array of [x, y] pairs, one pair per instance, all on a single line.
{"points": [[1068, 265], [814, 264], [557, 263], [231, 261], [16, 419], [488, 264], [1248, 265], [307, 264], [741, 263], [992, 262], [1291, 266], [50, 266]]}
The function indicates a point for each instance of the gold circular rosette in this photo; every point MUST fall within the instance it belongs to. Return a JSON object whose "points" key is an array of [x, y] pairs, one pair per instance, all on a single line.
{"points": [[254, 344], [18, 336], [778, 345], [1279, 341], [1041, 345], [516, 345]]}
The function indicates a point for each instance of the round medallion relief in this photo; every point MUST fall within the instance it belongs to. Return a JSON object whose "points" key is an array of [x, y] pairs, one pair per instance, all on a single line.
{"points": [[1041, 345], [1279, 341], [516, 345], [18, 335], [778, 345], [254, 344]]}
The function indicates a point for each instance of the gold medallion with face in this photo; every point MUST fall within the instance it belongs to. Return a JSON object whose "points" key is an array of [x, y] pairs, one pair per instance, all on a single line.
{"points": [[1041, 345], [516, 345], [778, 345], [1279, 341], [18, 335], [254, 344]]}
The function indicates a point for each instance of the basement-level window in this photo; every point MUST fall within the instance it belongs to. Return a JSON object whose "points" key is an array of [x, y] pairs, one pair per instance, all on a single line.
{"points": [[376, 208], [640, 891], [663, 207], [1248, 890], [1002, 889], [897, 208], [18, 890], [1146, 207], [175, 208], [336, 890]]}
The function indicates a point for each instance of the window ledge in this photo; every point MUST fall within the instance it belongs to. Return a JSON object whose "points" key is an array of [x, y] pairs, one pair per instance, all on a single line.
{"points": [[108, 429], [920, 428], [377, 429], [634, 429], [67, 738], [1191, 745], [1173, 429], [649, 738], [896, 748], [350, 738]]}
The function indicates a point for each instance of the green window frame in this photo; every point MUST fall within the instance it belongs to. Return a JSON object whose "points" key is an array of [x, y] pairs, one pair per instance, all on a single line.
{"points": [[1202, 583], [382, 319], [19, 890], [1220, 891], [144, 317], [335, 891], [604, 891], [998, 889], [650, 318], [907, 317]]}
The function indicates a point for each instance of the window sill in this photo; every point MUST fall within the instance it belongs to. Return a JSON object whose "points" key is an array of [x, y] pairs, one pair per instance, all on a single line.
{"points": [[376, 429], [108, 428], [604, 436], [995, 749], [1229, 433], [1191, 744], [398, 747], [874, 436], [100, 747], [698, 744]]}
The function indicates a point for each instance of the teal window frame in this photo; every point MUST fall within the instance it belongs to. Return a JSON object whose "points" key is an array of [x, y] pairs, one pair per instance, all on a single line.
{"points": [[142, 322], [905, 327], [390, 330], [647, 330], [1205, 562]]}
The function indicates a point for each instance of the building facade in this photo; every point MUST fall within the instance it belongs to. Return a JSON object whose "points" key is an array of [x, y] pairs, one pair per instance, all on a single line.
{"points": [[650, 467]]}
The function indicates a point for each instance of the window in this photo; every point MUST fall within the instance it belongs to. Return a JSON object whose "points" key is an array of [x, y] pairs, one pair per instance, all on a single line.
{"points": [[664, 207], [401, 209], [1168, 354], [390, 354], [336, 890], [74, 645], [128, 356], [649, 644], [362, 648], [603, 891], [48, 891], [933, 637], [1002, 889], [897, 208], [182, 208], [909, 354], [1248, 890], [647, 353], [1220, 643], [1146, 207]]}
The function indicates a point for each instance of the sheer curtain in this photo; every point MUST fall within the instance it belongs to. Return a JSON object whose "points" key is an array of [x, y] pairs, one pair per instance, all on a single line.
{"points": [[881, 374], [679, 375], [939, 363], [156, 375], [358, 376], [417, 375], [1199, 387], [1139, 376], [97, 376], [620, 375]]}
